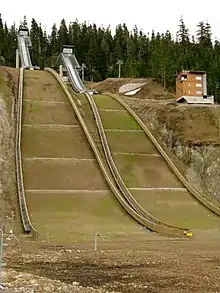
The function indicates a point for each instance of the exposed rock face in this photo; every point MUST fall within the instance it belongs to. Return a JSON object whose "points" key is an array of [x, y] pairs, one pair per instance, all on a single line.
{"points": [[7, 159], [5, 152], [201, 160]]}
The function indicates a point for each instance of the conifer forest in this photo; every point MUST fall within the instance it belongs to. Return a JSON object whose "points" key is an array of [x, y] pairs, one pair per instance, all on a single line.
{"points": [[156, 55]]}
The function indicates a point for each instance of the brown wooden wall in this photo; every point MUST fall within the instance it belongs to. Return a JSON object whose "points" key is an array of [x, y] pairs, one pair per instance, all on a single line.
{"points": [[190, 86]]}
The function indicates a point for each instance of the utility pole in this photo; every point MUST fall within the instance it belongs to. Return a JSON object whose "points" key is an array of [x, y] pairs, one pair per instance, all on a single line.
{"points": [[120, 63], [92, 73], [83, 73]]}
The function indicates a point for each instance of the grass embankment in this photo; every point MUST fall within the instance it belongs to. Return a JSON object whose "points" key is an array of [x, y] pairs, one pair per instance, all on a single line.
{"points": [[118, 120], [70, 140], [177, 208], [78, 216], [66, 215], [123, 142], [138, 171], [43, 113]]}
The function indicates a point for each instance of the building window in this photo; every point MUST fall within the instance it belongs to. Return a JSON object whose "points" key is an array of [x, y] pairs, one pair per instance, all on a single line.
{"points": [[189, 84], [198, 92], [183, 77], [198, 85], [198, 78], [189, 91]]}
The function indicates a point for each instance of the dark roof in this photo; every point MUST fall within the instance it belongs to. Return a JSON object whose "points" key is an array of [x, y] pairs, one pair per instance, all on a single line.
{"points": [[68, 46], [23, 29], [196, 72], [190, 71]]}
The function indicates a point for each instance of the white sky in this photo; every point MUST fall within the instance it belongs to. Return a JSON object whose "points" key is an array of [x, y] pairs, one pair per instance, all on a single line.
{"points": [[159, 15]]}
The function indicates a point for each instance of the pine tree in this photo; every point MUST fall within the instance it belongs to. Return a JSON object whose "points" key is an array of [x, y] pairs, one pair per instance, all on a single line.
{"points": [[74, 38], [63, 37], [54, 47], [1, 36], [183, 33], [158, 56], [36, 50]]}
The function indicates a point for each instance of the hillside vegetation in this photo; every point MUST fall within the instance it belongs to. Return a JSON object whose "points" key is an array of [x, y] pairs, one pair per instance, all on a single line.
{"points": [[189, 134], [192, 125], [156, 55]]}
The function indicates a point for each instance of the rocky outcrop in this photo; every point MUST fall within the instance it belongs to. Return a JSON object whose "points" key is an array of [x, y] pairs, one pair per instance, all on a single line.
{"points": [[7, 168], [6, 155], [199, 162]]}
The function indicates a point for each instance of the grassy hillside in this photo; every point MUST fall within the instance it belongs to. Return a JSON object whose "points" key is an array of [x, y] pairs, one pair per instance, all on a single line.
{"points": [[66, 193], [147, 175]]}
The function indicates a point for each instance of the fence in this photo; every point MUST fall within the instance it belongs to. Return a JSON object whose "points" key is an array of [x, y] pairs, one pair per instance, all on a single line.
{"points": [[103, 241]]}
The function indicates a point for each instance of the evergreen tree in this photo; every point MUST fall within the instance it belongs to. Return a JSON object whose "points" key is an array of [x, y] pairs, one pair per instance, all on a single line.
{"points": [[54, 47], [63, 37], [183, 33], [1, 36], [36, 50], [157, 55]]}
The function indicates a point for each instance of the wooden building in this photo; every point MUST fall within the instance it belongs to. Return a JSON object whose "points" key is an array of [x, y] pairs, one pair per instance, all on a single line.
{"points": [[191, 87]]}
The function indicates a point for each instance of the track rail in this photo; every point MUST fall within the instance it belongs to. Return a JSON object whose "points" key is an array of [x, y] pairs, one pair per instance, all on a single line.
{"points": [[73, 74], [169, 162], [24, 52], [147, 222], [168, 229], [27, 225]]}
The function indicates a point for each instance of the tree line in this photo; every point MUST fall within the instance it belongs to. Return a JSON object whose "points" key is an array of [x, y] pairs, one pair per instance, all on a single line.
{"points": [[156, 55]]}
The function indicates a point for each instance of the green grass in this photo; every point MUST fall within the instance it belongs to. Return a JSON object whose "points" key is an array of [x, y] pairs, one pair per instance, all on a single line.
{"points": [[55, 142], [69, 217], [39, 78], [145, 171], [134, 142], [177, 208], [118, 120], [41, 113], [62, 175], [41, 85], [105, 102]]}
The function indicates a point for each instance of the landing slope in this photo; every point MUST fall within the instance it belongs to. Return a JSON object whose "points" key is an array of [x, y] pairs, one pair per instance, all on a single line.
{"points": [[66, 194], [188, 133], [145, 172]]}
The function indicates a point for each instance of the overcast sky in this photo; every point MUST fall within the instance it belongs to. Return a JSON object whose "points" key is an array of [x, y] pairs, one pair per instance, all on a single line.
{"points": [[159, 15]]}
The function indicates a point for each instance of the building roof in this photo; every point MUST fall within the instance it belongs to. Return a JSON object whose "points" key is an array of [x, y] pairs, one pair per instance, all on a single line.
{"points": [[68, 46], [196, 72], [192, 72]]}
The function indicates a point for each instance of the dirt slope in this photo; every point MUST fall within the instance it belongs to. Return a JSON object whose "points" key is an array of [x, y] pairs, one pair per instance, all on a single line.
{"points": [[8, 195], [150, 89], [191, 124]]}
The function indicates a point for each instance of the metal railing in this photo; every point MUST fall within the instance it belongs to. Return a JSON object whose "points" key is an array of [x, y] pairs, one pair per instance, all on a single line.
{"points": [[28, 228], [170, 229], [73, 75], [192, 190], [152, 225]]}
